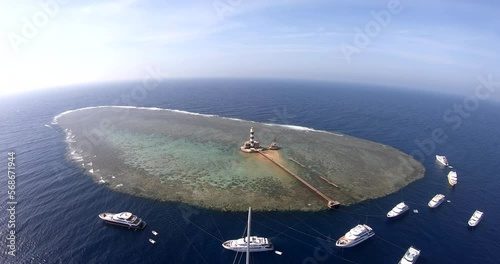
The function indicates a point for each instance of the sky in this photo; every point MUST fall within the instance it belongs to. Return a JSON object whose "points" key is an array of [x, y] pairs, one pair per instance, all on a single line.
{"points": [[436, 45]]}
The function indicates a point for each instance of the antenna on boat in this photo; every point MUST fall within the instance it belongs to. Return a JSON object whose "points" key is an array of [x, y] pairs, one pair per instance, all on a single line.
{"points": [[248, 234]]}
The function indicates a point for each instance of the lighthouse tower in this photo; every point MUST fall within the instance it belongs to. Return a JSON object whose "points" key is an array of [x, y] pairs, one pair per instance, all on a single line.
{"points": [[252, 138], [251, 145]]}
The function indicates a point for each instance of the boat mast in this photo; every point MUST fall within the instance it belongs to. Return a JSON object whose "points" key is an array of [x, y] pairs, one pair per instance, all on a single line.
{"points": [[248, 234]]}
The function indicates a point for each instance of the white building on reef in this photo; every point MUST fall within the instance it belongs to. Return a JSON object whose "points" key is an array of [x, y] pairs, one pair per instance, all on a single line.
{"points": [[251, 145]]}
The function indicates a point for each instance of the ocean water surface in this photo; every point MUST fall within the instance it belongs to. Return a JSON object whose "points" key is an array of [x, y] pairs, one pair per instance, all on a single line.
{"points": [[57, 203]]}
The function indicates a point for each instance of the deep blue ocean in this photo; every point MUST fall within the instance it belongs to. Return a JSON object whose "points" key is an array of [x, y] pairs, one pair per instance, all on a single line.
{"points": [[57, 204]]}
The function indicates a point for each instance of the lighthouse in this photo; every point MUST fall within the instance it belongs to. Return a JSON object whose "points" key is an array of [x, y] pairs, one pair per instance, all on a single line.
{"points": [[251, 145], [252, 138]]}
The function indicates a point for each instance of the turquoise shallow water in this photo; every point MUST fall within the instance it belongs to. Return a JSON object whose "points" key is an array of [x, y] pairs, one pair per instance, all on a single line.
{"points": [[196, 159]]}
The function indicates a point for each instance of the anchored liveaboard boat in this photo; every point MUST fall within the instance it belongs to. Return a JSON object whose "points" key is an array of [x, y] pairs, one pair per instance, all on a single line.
{"points": [[355, 236], [398, 210], [249, 243], [410, 256], [125, 219], [452, 178], [475, 218], [443, 160], [436, 201]]}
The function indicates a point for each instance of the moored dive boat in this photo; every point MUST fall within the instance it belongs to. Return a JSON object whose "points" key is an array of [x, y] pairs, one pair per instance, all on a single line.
{"points": [[443, 160], [249, 243], [398, 210], [452, 178], [436, 200], [410, 256], [355, 236], [125, 219], [475, 218]]}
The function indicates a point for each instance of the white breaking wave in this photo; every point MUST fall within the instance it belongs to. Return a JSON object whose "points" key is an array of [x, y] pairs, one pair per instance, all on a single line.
{"points": [[294, 127], [54, 120], [301, 128], [189, 113]]}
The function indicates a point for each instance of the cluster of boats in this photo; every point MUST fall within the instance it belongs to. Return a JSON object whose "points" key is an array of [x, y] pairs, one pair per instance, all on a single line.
{"points": [[452, 180], [362, 232], [452, 175], [353, 237], [412, 253]]}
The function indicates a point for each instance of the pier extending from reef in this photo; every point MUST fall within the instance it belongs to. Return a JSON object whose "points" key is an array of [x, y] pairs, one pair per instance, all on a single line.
{"points": [[330, 202], [173, 155]]}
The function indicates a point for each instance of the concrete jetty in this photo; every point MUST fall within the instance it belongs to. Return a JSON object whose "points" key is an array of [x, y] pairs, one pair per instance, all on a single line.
{"points": [[330, 202], [321, 176]]}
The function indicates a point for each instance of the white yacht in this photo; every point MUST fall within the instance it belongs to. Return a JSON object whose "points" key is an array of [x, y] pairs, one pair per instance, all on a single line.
{"points": [[436, 200], [249, 243], [475, 218], [443, 160], [125, 219], [398, 210], [452, 178], [355, 236], [410, 256]]}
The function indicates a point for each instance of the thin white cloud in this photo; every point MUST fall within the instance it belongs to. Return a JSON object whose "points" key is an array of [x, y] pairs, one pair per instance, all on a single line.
{"points": [[108, 7]]}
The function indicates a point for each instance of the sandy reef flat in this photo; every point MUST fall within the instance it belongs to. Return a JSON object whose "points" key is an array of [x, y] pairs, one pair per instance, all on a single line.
{"points": [[173, 155]]}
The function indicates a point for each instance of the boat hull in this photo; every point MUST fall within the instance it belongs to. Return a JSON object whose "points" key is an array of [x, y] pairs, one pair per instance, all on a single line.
{"points": [[354, 243], [442, 160], [397, 215], [108, 219], [227, 245], [142, 225], [473, 224], [435, 205]]}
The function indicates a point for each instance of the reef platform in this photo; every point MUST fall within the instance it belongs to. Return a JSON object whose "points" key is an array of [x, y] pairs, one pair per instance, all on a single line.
{"points": [[192, 158]]}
